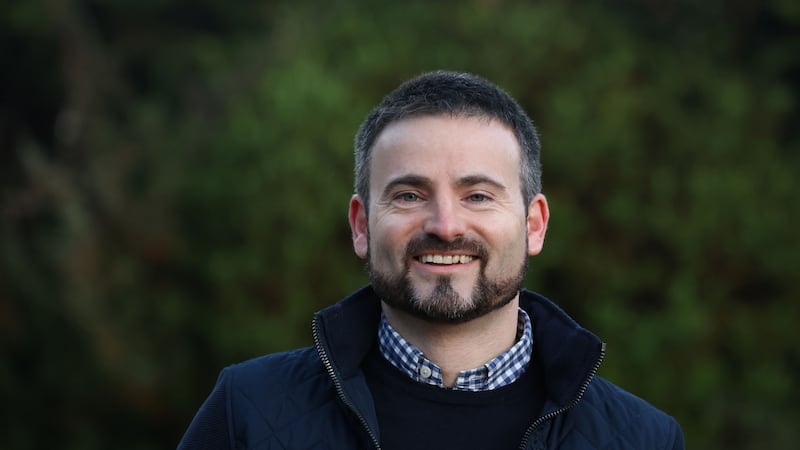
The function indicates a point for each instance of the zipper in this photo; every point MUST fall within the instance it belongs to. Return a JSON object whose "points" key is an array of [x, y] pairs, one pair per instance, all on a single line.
{"points": [[582, 390], [326, 362]]}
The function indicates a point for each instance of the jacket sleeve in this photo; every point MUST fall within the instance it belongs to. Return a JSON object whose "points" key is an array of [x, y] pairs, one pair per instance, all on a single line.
{"points": [[677, 437], [210, 428]]}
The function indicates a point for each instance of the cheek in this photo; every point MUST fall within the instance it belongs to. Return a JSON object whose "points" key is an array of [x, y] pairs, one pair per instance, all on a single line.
{"points": [[510, 248], [385, 243], [388, 231]]}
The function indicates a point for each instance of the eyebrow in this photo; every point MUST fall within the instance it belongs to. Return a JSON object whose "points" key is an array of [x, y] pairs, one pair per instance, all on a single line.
{"points": [[472, 180], [419, 181]]}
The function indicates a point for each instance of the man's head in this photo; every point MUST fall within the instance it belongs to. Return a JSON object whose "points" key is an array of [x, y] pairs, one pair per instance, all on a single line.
{"points": [[444, 214], [452, 94]]}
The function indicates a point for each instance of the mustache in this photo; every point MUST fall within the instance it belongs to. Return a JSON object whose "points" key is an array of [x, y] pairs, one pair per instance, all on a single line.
{"points": [[433, 244]]}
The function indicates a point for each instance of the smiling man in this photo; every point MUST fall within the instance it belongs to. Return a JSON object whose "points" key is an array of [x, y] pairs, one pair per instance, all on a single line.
{"points": [[444, 349]]}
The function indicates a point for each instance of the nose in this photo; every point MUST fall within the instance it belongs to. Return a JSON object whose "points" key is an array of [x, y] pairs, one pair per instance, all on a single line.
{"points": [[444, 220]]}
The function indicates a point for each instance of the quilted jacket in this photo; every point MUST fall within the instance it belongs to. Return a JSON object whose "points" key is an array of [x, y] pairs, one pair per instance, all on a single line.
{"points": [[317, 397]]}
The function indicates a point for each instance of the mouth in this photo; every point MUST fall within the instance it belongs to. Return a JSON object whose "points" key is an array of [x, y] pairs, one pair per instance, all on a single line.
{"points": [[446, 260]]}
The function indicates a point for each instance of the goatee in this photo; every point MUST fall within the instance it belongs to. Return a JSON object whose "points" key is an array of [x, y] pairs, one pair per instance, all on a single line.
{"points": [[444, 304]]}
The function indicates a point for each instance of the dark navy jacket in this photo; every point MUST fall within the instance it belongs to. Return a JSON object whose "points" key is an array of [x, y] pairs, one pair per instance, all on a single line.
{"points": [[317, 397]]}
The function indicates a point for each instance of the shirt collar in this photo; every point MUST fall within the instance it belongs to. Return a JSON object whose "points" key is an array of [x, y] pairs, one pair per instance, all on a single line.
{"points": [[504, 369]]}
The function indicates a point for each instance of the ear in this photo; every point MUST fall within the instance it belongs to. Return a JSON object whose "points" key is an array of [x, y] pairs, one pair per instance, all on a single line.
{"points": [[538, 215], [358, 226]]}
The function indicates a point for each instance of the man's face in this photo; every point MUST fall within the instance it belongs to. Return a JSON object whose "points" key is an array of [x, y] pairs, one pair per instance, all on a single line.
{"points": [[448, 234]]}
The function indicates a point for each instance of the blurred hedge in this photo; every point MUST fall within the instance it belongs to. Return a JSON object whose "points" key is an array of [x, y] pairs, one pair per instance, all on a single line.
{"points": [[175, 178]]}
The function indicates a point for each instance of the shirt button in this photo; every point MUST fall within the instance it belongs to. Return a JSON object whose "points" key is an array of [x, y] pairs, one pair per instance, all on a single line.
{"points": [[425, 372]]}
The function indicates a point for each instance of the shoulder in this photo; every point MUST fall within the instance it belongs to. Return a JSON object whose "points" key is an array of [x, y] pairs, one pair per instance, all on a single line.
{"points": [[276, 386], [619, 419], [274, 374], [276, 397]]}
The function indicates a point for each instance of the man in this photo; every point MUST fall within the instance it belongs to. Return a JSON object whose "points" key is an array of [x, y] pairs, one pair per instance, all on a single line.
{"points": [[444, 349]]}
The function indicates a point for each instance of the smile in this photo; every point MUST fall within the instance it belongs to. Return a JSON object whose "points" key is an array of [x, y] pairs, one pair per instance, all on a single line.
{"points": [[445, 259]]}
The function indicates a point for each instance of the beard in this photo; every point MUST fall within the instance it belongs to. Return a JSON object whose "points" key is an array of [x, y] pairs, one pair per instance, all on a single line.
{"points": [[444, 304]]}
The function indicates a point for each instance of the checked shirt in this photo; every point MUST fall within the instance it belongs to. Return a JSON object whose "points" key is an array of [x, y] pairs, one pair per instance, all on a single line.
{"points": [[500, 371]]}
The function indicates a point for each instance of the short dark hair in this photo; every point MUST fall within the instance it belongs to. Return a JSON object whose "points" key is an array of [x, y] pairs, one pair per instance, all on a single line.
{"points": [[455, 94]]}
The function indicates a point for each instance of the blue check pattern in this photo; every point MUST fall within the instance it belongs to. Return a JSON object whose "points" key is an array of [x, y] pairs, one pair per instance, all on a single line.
{"points": [[504, 369]]}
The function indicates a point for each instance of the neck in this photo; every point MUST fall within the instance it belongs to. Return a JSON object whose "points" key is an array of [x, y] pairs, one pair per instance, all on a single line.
{"points": [[458, 347]]}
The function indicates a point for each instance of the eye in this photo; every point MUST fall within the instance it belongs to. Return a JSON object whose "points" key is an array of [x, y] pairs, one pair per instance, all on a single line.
{"points": [[408, 197], [477, 198]]}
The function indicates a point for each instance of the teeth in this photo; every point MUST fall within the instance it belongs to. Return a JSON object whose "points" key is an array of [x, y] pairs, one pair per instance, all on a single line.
{"points": [[445, 259]]}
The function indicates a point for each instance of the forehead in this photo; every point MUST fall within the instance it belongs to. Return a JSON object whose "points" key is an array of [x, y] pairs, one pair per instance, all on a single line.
{"points": [[444, 147]]}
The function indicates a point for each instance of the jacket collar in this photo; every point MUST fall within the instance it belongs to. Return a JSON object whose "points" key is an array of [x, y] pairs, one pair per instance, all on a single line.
{"points": [[568, 353]]}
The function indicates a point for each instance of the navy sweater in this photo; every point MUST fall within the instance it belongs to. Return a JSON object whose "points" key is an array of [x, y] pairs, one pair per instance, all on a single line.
{"points": [[413, 415]]}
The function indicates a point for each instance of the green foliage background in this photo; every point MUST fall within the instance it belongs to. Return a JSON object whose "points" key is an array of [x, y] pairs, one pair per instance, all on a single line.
{"points": [[174, 180]]}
